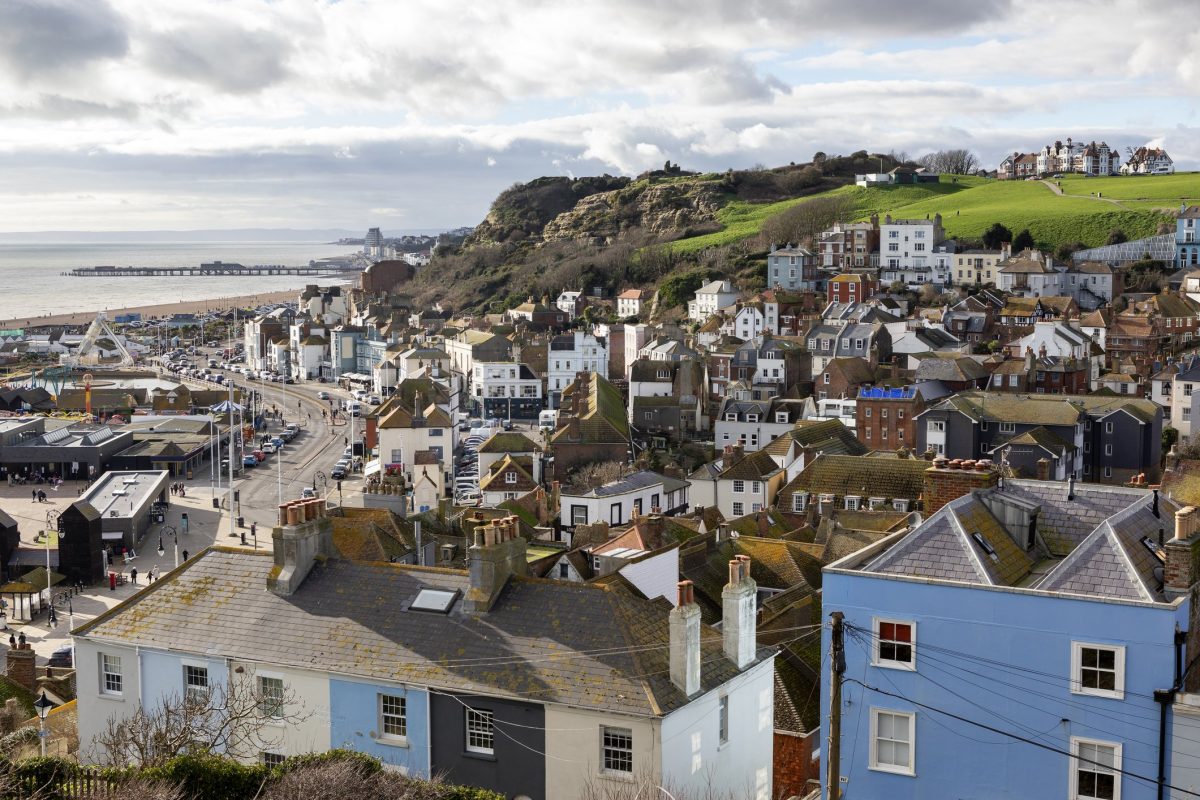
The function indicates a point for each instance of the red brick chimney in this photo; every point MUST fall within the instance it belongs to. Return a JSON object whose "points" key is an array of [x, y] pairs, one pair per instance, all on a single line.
{"points": [[947, 480], [1183, 554]]}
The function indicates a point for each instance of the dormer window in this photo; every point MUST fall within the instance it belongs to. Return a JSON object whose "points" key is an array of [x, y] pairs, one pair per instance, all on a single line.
{"points": [[799, 501], [510, 477], [852, 503]]}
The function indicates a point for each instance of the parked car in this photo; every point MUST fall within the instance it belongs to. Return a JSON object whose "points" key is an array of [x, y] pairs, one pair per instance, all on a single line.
{"points": [[268, 448], [307, 493], [249, 461], [338, 473], [62, 657], [260, 455], [322, 395]]}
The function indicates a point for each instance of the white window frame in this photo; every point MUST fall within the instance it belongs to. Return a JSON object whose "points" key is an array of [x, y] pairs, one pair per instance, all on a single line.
{"points": [[1074, 764], [385, 716], [1008, 427], [799, 501], [852, 502], [1077, 667], [895, 769], [474, 720], [270, 708], [723, 720], [739, 509], [618, 750], [755, 487], [107, 673], [876, 637], [739, 487], [935, 426], [190, 690]]}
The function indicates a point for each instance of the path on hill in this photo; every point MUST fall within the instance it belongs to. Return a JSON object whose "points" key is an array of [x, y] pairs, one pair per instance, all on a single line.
{"points": [[1054, 187]]}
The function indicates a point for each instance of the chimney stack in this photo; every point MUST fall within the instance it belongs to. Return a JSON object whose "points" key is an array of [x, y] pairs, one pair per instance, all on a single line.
{"points": [[304, 535], [1183, 554], [498, 552], [738, 610], [684, 622], [947, 481]]}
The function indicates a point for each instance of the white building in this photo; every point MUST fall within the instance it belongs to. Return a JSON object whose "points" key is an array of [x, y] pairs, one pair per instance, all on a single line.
{"points": [[568, 303], [906, 251], [792, 268], [631, 301], [619, 501], [571, 353], [711, 298], [1148, 161], [636, 337], [1036, 274]]}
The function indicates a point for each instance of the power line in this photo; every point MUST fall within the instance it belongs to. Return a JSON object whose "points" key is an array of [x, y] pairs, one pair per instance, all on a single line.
{"points": [[1035, 743]]}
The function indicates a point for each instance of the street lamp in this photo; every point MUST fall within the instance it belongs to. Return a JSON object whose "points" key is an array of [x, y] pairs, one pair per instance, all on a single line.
{"points": [[279, 473], [319, 477], [168, 529], [43, 707]]}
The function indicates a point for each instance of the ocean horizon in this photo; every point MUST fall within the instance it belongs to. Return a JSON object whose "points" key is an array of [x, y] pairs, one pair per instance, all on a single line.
{"points": [[33, 283]]}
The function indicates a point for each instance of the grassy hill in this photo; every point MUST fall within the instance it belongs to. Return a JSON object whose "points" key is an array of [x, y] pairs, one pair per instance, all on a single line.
{"points": [[970, 205]]}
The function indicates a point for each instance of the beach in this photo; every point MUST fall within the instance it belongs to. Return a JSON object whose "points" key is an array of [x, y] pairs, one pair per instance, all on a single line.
{"points": [[159, 309]]}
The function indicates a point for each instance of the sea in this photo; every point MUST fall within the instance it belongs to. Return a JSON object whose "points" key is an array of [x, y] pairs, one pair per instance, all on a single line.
{"points": [[32, 282]]}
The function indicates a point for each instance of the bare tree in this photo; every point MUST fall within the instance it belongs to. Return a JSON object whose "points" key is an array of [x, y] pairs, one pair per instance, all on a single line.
{"points": [[349, 780], [802, 223], [599, 473], [234, 719], [954, 162]]}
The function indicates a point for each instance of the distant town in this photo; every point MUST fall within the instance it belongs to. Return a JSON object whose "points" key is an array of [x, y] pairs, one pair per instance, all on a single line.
{"points": [[739, 542]]}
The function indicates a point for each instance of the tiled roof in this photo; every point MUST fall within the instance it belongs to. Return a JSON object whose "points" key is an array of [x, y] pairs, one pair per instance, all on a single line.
{"points": [[828, 436], [1044, 438], [509, 442], [495, 480], [601, 415], [890, 478], [957, 368], [566, 643], [751, 467]]}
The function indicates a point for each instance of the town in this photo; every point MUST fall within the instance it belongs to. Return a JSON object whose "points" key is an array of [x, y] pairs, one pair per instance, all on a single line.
{"points": [[597, 542]]}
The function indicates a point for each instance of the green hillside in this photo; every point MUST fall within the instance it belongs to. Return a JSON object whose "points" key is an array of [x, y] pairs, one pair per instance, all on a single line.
{"points": [[970, 205]]}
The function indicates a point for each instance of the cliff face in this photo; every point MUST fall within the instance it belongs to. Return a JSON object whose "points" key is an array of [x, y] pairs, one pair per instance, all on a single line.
{"points": [[520, 212], [662, 209]]}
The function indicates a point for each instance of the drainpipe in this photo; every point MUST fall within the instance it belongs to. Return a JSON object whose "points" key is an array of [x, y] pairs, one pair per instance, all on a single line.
{"points": [[1164, 698]]}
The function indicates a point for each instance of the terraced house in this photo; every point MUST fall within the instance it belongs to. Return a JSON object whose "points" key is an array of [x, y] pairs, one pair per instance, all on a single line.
{"points": [[1058, 615], [596, 684], [1099, 438]]}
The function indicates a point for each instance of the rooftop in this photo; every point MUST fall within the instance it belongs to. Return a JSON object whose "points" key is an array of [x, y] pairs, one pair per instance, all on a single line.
{"points": [[123, 494]]}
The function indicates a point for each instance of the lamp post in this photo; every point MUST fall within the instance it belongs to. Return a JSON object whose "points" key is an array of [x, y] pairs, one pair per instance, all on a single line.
{"points": [[43, 707], [51, 525], [168, 529], [279, 473]]}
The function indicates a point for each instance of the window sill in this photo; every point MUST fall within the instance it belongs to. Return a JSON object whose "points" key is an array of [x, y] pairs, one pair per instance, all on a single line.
{"points": [[479, 756], [1104, 695], [115, 698], [908, 773], [896, 665], [614, 775], [392, 741]]}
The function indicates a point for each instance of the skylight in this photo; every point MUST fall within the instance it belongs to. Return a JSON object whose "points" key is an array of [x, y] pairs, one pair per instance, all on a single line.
{"points": [[437, 601], [985, 546], [1154, 548]]}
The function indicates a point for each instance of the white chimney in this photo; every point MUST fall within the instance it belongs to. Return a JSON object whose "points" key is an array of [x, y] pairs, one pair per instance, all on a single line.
{"points": [[685, 641], [738, 614]]}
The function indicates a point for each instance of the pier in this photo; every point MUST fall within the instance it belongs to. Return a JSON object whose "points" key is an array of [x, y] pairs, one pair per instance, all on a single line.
{"points": [[216, 268]]}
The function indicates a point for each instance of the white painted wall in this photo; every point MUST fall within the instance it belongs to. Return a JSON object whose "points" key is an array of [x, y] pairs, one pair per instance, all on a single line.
{"points": [[693, 760], [96, 709], [308, 729], [573, 742], [656, 576]]}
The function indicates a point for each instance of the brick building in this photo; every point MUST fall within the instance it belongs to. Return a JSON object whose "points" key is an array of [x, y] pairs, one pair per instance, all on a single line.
{"points": [[852, 287], [886, 418]]}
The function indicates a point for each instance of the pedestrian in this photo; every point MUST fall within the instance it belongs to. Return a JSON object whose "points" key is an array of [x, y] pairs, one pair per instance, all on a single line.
{"points": [[34, 495], [133, 574], [21, 640], [53, 618], [185, 555]]}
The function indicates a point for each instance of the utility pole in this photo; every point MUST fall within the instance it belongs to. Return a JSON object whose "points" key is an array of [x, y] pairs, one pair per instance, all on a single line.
{"points": [[837, 666]]}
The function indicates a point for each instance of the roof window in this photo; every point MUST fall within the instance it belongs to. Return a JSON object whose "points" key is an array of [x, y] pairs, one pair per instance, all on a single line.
{"points": [[985, 546], [436, 601]]}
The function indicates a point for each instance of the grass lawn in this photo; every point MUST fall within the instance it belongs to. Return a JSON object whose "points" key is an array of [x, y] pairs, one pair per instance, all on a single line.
{"points": [[1153, 191]]}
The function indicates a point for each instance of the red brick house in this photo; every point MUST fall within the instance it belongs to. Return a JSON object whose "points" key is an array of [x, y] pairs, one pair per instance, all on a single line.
{"points": [[852, 287]]}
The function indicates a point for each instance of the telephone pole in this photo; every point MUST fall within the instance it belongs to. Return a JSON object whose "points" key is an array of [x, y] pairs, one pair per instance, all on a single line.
{"points": [[837, 666]]}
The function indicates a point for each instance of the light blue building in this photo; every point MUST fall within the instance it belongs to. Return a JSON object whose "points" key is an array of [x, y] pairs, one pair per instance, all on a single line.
{"points": [[401, 741], [1012, 645]]}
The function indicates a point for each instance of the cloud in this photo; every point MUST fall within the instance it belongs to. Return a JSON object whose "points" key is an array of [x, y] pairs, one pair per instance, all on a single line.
{"points": [[38, 37], [221, 55]]}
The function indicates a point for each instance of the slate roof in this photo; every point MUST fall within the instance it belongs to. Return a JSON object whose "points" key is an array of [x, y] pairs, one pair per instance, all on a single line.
{"points": [[560, 642], [1059, 409], [829, 436], [630, 483], [959, 368], [1041, 437]]}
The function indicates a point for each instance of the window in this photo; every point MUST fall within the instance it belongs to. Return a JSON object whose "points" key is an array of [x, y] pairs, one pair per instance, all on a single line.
{"points": [[755, 487], [799, 500], [480, 738], [617, 745], [852, 503], [738, 509], [195, 683], [935, 426], [1098, 669], [579, 515], [435, 431], [868, 412], [894, 645], [614, 514], [270, 696], [1108, 472], [827, 378], [883, 413], [900, 505], [892, 741], [111, 681], [393, 716], [1008, 427], [1108, 449], [1108, 427], [271, 760], [1094, 768], [723, 720], [739, 487]]}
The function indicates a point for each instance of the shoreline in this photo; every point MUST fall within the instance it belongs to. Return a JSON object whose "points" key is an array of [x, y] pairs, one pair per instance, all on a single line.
{"points": [[157, 309]]}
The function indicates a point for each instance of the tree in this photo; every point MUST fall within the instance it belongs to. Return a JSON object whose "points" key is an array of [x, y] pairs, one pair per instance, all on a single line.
{"points": [[954, 162], [1064, 251], [803, 222], [237, 718], [1116, 236], [591, 476], [819, 157], [995, 235], [1023, 241], [929, 294]]}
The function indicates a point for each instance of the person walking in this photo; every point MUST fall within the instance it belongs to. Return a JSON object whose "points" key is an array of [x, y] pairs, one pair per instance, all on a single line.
{"points": [[185, 555], [34, 495], [133, 574]]}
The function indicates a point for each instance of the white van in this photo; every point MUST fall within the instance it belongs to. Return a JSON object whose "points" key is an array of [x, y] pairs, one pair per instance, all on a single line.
{"points": [[354, 407], [548, 419]]}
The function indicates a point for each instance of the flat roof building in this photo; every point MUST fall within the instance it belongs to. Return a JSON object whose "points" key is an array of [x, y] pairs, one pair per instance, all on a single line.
{"points": [[125, 502]]}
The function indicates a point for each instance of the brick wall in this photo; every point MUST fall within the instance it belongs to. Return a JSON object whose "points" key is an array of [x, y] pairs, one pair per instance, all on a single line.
{"points": [[21, 666], [947, 480], [793, 762]]}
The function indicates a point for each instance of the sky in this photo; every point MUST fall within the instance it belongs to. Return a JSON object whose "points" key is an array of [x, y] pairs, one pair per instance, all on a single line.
{"points": [[413, 114]]}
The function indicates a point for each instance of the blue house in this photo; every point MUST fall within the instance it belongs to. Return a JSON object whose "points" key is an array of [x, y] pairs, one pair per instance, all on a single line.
{"points": [[1025, 641]]}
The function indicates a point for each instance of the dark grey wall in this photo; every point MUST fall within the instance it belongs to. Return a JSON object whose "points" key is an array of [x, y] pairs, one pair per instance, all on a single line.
{"points": [[514, 769]]}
